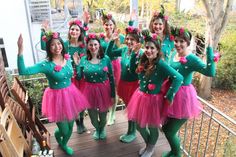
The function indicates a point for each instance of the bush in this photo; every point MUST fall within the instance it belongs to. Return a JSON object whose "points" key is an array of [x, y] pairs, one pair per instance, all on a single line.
{"points": [[35, 85], [226, 68]]}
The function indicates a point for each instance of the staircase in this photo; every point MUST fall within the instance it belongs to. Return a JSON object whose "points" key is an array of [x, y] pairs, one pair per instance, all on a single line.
{"points": [[40, 10]]}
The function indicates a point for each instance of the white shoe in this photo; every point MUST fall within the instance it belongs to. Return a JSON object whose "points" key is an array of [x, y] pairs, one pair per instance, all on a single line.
{"points": [[141, 151], [149, 151]]}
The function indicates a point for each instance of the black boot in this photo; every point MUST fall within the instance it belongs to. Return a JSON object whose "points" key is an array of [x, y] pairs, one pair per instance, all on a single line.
{"points": [[80, 126]]}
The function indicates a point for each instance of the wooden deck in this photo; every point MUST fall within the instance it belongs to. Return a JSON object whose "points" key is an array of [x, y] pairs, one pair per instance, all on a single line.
{"points": [[85, 146]]}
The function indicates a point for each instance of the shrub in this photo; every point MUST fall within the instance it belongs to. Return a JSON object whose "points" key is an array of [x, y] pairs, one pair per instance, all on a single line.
{"points": [[226, 68]]}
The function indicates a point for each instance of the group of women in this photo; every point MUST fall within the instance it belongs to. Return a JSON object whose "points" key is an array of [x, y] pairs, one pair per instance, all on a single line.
{"points": [[150, 70]]}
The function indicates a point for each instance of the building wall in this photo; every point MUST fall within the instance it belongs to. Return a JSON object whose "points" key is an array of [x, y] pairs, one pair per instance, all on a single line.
{"points": [[13, 19]]}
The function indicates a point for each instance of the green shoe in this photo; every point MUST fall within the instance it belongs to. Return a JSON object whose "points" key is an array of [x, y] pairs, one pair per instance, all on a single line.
{"points": [[68, 150], [58, 136], [111, 120], [96, 135], [103, 134], [127, 138]]}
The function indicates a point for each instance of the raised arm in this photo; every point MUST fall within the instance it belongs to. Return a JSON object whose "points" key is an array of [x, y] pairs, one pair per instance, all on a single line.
{"points": [[23, 70], [78, 66], [207, 69]]}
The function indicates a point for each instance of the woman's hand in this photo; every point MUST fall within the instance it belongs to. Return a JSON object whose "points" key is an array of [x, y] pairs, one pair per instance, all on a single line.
{"points": [[20, 44], [45, 25], [168, 102], [136, 48], [115, 35], [76, 58], [209, 39], [86, 16], [133, 15]]}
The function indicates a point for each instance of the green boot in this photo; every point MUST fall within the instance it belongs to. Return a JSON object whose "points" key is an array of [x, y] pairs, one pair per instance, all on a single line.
{"points": [[131, 134], [103, 134], [96, 134], [112, 117], [67, 149]]}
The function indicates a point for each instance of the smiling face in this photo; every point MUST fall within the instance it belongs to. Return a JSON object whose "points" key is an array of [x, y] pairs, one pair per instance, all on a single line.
{"points": [[130, 41], [180, 45], [158, 26], [93, 46], [74, 31], [56, 47], [109, 27], [151, 50]]}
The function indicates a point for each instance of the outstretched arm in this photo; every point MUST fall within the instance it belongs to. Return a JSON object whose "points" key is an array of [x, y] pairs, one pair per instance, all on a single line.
{"points": [[23, 70]]}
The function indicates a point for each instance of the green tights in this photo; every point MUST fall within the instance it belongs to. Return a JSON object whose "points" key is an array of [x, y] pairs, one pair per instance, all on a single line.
{"points": [[98, 120], [63, 134], [149, 134], [170, 129]]}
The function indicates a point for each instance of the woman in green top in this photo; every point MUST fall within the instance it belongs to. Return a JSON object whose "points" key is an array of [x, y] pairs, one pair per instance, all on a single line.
{"points": [[129, 81], [185, 104], [96, 69], [109, 25], [62, 101], [146, 103], [160, 26], [74, 43]]}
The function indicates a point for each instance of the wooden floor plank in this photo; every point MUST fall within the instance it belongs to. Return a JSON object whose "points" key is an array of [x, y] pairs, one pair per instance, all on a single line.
{"points": [[85, 146]]}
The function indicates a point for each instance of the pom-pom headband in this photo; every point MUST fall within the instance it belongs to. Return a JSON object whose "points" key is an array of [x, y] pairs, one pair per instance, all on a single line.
{"points": [[153, 37], [132, 30], [106, 16], [91, 36], [181, 32], [161, 14], [78, 23], [50, 35]]}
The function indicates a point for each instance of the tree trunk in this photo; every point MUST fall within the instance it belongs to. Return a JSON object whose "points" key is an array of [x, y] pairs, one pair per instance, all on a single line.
{"points": [[142, 10], [177, 5], [216, 20]]}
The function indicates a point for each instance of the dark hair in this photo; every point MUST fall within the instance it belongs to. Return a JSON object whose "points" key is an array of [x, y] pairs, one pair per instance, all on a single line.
{"points": [[100, 51], [162, 17], [150, 67], [182, 33], [81, 37], [134, 32], [106, 18], [48, 44]]}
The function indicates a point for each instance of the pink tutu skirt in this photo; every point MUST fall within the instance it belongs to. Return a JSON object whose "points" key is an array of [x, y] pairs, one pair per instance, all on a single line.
{"points": [[145, 109], [126, 89], [78, 83], [185, 104], [98, 95], [63, 104], [116, 70]]}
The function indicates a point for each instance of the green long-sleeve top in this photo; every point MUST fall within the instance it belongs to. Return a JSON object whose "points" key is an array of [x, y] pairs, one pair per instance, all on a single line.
{"points": [[57, 78], [194, 63], [155, 80], [126, 74], [81, 49], [105, 43], [168, 49], [96, 73]]}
